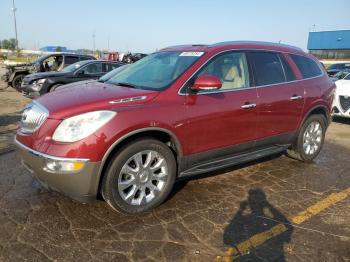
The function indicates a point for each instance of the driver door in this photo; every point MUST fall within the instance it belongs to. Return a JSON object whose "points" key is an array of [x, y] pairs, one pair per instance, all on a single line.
{"points": [[226, 118]]}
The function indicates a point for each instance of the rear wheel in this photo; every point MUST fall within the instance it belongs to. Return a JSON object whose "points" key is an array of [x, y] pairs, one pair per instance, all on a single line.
{"points": [[139, 177], [310, 139], [17, 81]]}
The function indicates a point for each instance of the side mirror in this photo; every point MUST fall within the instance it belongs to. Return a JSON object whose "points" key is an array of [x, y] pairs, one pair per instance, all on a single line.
{"points": [[206, 82]]}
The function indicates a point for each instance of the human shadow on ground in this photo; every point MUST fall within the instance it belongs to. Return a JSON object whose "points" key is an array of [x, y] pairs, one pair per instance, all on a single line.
{"points": [[261, 227]]}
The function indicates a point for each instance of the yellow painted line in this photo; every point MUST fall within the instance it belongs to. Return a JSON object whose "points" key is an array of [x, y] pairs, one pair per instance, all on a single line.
{"points": [[320, 206], [260, 238]]}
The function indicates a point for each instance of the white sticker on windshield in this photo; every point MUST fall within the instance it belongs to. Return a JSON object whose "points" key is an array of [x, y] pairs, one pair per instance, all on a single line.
{"points": [[191, 53]]}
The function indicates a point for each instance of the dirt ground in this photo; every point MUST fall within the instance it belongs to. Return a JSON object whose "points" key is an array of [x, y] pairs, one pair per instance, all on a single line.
{"points": [[274, 209]]}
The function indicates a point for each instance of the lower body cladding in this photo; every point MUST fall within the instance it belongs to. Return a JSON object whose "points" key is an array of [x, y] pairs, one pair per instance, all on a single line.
{"points": [[75, 178]]}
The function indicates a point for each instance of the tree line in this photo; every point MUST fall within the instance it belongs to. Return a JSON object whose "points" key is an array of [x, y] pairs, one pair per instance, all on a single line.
{"points": [[8, 44]]}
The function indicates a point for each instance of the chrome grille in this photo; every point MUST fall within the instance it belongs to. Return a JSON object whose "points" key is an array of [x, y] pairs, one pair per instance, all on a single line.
{"points": [[344, 102], [32, 118]]}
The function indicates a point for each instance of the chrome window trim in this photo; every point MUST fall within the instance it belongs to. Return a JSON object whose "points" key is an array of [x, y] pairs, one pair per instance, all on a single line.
{"points": [[245, 88], [42, 155]]}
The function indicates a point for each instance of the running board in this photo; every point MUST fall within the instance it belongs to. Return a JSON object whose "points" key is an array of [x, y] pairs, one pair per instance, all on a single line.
{"points": [[233, 160]]}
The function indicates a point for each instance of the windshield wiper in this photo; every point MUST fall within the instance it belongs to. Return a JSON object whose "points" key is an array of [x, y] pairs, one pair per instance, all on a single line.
{"points": [[126, 84]]}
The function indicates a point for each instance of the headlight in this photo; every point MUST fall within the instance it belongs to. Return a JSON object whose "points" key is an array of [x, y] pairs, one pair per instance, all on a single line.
{"points": [[38, 84], [78, 127]]}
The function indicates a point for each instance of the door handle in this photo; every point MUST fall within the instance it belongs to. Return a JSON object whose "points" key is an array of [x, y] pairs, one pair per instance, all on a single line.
{"points": [[295, 97], [246, 106]]}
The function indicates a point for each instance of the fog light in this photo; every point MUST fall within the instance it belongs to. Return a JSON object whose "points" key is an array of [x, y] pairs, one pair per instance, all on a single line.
{"points": [[63, 166]]}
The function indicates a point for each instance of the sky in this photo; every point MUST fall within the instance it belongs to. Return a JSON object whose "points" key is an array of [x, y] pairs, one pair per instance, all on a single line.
{"points": [[145, 26]]}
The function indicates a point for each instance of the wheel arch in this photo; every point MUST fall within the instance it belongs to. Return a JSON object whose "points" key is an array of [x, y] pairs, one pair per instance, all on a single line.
{"points": [[161, 134], [320, 110]]}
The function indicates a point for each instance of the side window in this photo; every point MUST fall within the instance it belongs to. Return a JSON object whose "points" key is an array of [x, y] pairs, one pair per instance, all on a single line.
{"points": [[231, 68], [347, 77], [267, 68], [287, 70], [307, 66], [94, 68], [70, 60], [106, 67]]}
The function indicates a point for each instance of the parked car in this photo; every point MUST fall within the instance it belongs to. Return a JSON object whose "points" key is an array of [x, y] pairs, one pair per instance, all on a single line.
{"points": [[335, 68], [178, 112], [102, 79], [53, 62], [41, 83], [340, 75], [341, 102]]}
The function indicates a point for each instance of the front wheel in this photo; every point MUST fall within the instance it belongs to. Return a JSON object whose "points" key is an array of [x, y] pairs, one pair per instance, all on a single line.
{"points": [[140, 176], [17, 82], [310, 139]]}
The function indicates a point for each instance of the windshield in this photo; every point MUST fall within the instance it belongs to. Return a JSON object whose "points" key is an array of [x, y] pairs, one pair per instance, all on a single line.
{"points": [[341, 74], [156, 71], [72, 67]]}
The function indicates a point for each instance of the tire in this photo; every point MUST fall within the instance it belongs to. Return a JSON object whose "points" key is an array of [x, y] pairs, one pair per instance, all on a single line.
{"points": [[17, 81], [139, 188], [53, 88], [309, 141]]}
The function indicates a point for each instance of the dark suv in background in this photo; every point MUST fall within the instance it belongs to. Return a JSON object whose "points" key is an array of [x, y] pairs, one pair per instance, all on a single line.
{"points": [[179, 112], [53, 62], [41, 83]]}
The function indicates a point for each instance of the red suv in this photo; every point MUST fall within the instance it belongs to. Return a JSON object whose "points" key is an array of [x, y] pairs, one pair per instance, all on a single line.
{"points": [[181, 111]]}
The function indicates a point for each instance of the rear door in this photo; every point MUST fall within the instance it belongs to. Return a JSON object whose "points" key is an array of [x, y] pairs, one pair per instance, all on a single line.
{"points": [[223, 121], [280, 98]]}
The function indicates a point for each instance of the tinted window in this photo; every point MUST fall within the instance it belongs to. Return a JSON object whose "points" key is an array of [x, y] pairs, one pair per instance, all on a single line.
{"points": [[347, 77], [71, 60], [231, 68], [307, 66], [287, 70], [94, 68], [81, 58], [106, 67], [267, 68]]}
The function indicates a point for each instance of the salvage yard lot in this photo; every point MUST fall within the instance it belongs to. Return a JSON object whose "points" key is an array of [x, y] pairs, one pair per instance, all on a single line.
{"points": [[273, 209]]}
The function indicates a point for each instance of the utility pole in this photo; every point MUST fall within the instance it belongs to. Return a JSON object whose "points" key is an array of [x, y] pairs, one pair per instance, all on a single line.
{"points": [[14, 9], [93, 41]]}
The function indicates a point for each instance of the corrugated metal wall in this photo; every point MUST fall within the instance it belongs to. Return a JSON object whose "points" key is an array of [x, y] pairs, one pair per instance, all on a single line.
{"points": [[329, 40]]}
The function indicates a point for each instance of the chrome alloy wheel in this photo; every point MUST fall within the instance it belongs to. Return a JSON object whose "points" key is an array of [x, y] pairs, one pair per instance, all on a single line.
{"points": [[143, 177], [312, 138]]}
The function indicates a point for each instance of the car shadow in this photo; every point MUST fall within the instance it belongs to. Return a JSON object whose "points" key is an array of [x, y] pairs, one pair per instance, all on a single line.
{"points": [[341, 120], [258, 231], [9, 119]]}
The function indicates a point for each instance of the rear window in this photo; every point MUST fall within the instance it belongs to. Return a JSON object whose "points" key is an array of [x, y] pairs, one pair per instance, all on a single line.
{"points": [[307, 66], [267, 68]]}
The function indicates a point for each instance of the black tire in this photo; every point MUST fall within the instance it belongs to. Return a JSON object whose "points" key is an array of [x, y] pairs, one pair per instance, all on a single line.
{"points": [[113, 174], [297, 151], [53, 88], [17, 81]]}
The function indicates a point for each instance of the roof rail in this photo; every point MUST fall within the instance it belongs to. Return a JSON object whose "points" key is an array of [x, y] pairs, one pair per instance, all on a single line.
{"points": [[255, 42]]}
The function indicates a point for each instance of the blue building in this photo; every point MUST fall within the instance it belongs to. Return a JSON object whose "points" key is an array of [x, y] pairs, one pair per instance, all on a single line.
{"points": [[55, 48], [330, 44]]}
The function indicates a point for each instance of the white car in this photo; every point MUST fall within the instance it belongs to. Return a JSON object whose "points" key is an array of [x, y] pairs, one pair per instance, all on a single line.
{"points": [[341, 102]]}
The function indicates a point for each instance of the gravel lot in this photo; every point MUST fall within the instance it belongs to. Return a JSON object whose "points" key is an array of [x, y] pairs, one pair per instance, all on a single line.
{"points": [[305, 216]]}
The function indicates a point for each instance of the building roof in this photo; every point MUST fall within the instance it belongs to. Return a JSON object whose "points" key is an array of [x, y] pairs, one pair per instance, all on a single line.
{"points": [[329, 40]]}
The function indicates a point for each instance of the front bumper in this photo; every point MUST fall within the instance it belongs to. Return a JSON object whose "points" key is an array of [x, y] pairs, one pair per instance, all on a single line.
{"points": [[81, 186], [338, 109]]}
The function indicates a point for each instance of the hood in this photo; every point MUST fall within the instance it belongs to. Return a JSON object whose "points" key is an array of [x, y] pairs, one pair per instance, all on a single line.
{"points": [[93, 96], [343, 87], [78, 84], [45, 75]]}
